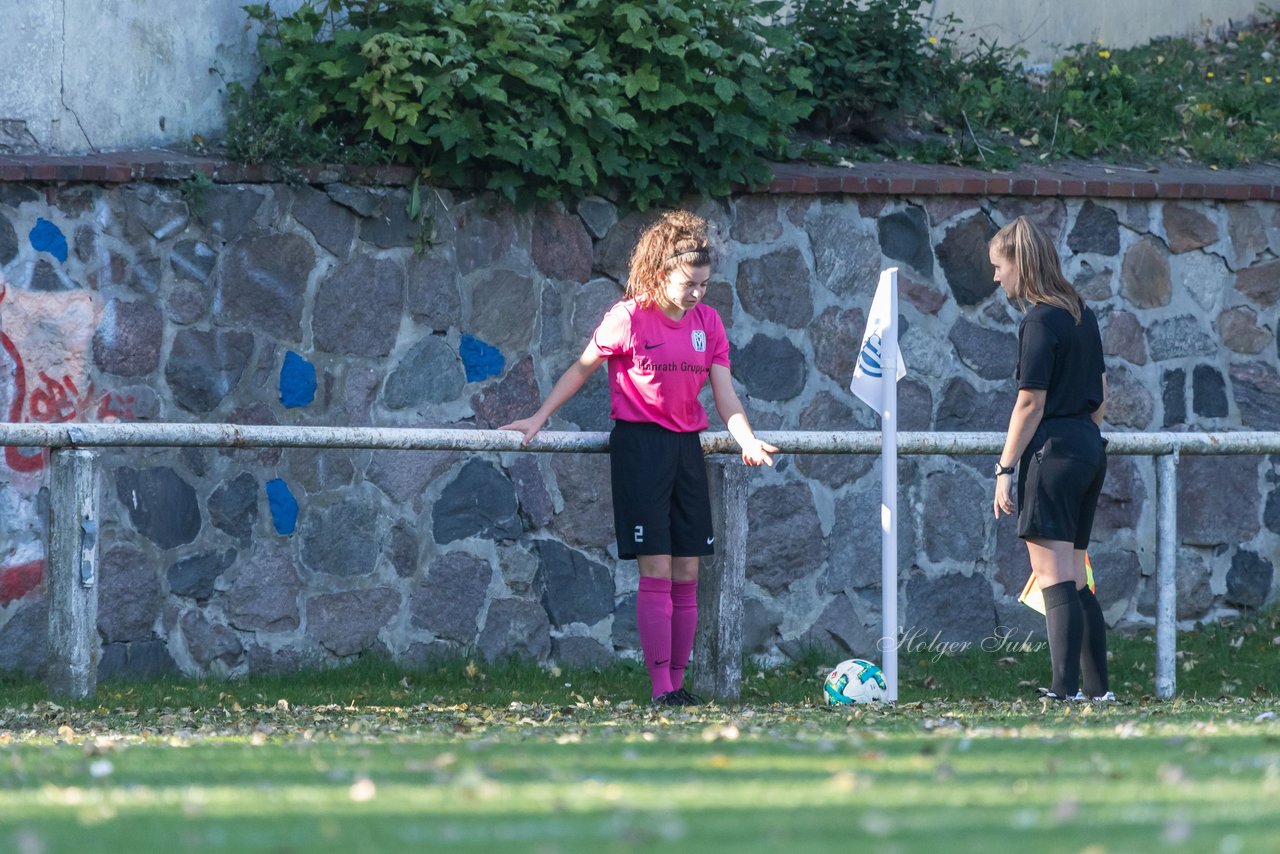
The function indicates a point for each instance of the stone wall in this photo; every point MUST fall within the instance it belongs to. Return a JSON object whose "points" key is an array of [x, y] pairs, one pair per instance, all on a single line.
{"points": [[279, 304]]}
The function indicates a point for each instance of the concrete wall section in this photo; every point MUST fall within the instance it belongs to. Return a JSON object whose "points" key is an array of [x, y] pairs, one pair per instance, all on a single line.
{"points": [[30, 64], [111, 74]]}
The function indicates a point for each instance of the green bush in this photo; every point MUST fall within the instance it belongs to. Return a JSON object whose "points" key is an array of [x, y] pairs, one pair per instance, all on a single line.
{"points": [[1212, 102], [866, 59], [531, 98], [644, 103]]}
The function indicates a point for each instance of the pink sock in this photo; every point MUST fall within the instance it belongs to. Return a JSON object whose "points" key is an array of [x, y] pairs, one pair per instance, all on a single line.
{"points": [[684, 623], [653, 620]]}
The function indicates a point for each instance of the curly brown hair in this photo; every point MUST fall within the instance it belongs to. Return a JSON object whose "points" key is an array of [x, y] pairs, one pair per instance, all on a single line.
{"points": [[677, 238]]}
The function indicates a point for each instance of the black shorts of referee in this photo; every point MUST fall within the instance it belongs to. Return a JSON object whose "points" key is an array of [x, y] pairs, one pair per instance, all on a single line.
{"points": [[1059, 480], [661, 503]]}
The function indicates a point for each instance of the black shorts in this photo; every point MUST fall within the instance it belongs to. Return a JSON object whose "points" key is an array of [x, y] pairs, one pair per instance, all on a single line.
{"points": [[661, 503], [1059, 481]]}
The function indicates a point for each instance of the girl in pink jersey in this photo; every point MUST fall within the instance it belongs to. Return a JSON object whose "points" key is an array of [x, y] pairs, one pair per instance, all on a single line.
{"points": [[662, 345]]}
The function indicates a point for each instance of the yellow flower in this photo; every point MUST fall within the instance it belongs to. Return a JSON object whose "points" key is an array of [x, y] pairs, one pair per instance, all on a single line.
{"points": [[1105, 54], [1266, 79], [1160, 60], [1209, 74], [933, 39]]}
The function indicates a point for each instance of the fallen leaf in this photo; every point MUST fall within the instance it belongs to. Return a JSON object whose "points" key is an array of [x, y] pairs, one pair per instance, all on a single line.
{"points": [[362, 790], [1066, 810], [844, 781], [1176, 832]]}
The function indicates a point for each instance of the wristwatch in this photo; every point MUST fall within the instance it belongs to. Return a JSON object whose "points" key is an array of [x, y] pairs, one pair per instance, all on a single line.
{"points": [[1003, 469]]}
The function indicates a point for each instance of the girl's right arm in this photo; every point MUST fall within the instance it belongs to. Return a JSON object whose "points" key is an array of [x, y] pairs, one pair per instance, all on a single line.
{"points": [[566, 387], [1028, 410]]}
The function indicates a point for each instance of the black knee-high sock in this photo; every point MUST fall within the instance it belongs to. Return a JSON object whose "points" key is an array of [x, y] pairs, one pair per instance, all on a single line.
{"points": [[1064, 622], [1093, 646]]}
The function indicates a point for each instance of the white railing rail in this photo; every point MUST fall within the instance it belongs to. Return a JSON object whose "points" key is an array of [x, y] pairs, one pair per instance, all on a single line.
{"points": [[174, 435], [73, 542]]}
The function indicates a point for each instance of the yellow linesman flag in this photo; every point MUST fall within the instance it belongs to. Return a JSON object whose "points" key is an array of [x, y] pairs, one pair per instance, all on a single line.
{"points": [[1033, 598]]}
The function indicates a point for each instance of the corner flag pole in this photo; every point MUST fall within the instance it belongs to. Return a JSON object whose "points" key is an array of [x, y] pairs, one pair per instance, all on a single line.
{"points": [[889, 496], [875, 383]]}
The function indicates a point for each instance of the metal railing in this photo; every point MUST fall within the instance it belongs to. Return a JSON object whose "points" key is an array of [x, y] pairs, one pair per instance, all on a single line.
{"points": [[73, 545]]}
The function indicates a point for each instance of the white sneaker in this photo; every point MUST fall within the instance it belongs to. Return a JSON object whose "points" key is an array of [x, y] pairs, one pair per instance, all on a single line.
{"points": [[1081, 697], [1046, 694]]}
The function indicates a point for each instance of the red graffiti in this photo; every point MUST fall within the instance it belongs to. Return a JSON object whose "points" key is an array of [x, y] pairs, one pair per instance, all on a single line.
{"points": [[20, 579], [54, 401], [57, 401], [17, 460], [116, 407]]}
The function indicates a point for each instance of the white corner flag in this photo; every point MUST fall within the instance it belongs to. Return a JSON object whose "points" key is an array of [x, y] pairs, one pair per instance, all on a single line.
{"points": [[879, 344], [878, 360]]}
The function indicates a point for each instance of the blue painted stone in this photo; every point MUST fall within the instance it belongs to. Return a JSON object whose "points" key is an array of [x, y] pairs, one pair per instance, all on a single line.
{"points": [[297, 381], [480, 360], [47, 237], [284, 507]]}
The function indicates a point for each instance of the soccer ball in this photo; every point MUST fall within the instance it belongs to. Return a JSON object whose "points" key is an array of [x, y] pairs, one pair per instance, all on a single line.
{"points": [[854, 681]]}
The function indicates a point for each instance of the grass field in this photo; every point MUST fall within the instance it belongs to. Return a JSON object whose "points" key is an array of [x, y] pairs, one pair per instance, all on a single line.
{"points": [[472, 757]]}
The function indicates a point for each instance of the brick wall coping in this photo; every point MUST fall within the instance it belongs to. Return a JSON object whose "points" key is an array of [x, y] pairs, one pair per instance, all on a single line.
{"points": [[1087, 179]]}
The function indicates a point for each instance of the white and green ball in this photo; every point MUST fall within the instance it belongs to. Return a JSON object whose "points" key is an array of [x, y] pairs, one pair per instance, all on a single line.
{"points": [[854, 681]]}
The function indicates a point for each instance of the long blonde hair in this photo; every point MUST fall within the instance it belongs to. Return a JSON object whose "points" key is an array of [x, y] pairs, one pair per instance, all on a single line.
{"points": [[677, 238], [1040, 278]]}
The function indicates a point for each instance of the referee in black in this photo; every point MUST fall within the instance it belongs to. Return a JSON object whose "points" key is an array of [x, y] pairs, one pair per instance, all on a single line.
{"points": [[1055, 448]]}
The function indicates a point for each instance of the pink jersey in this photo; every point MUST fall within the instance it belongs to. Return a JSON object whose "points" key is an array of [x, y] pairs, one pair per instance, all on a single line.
{"points": [[658, 365]]}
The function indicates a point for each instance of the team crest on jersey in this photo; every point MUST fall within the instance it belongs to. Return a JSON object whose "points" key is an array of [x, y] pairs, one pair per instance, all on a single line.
{"points": [[699, 338]]}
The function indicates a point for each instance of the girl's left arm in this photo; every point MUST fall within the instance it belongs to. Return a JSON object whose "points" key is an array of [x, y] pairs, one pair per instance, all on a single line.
{"points": [[1101, 412], [754, 452]]}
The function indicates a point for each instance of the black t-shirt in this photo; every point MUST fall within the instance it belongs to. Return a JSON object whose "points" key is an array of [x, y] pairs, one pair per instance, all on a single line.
{"points": [[1062, 357]]}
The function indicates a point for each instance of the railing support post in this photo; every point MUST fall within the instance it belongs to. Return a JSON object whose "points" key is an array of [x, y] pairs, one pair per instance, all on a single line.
{"points": [[1167, 575], [717, 653], [73, 574]]}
